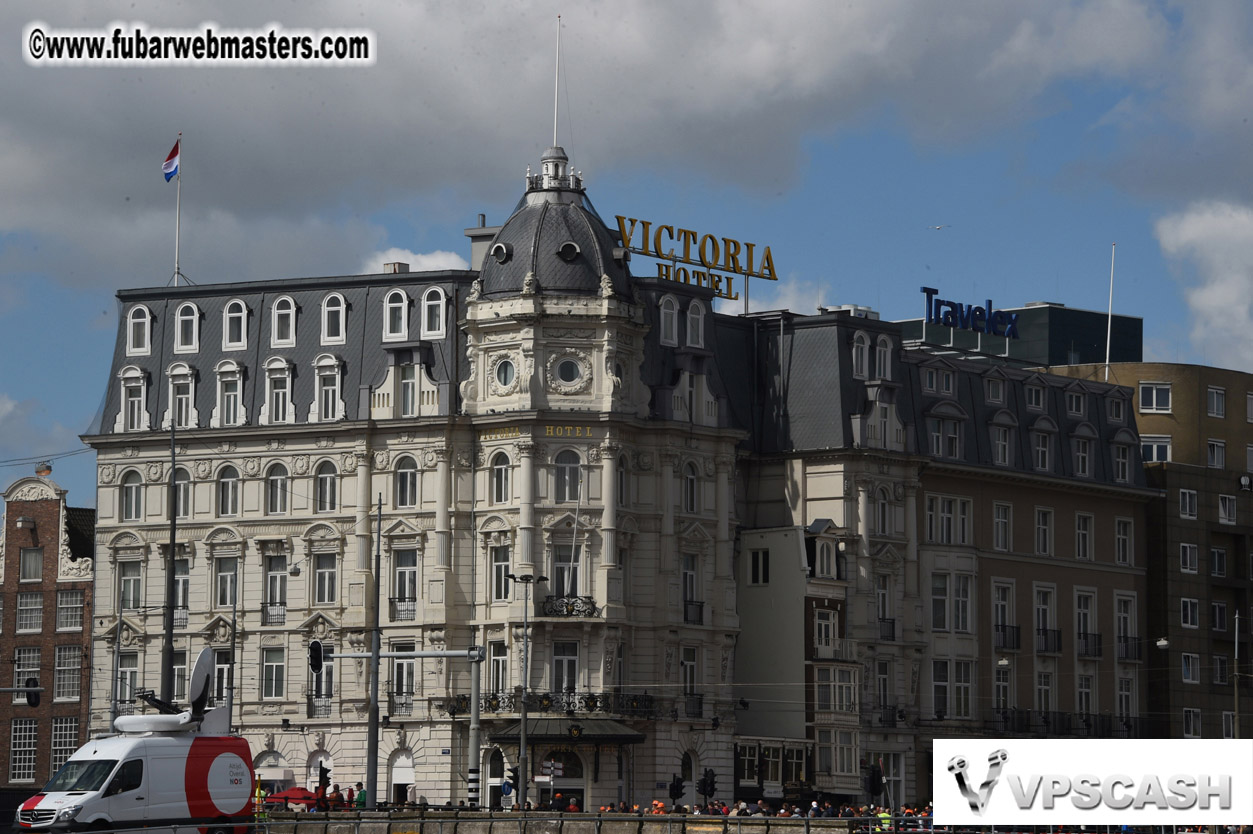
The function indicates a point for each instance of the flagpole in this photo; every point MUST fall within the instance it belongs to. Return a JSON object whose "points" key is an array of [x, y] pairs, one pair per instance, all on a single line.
{"points": [[178, 206]]}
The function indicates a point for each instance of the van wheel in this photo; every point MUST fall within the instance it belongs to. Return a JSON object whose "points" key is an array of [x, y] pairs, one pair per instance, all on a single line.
{"points": [[101, 825]]}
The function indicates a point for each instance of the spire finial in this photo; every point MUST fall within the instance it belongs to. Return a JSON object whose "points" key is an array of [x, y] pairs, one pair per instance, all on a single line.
{"points": [[557, 81]]}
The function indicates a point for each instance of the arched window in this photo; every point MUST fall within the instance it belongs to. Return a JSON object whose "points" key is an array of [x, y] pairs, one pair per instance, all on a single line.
{"points": [[235, 326], [182, 397], [132, 497], [825, 566], [624, 482], [406, 482], [696, 324], [568, 476], [883, 358], [861, 348], [182, 493], [433, 313], [277, 408], [883, 513], [133, 414], [500, 478], [328, 405], [333, 319], [669, 321], [395, 316], [276, 488], [691, 488], [138, 331], [228, 491], [328, 480], [283, 323], [230, 409], [187, 329]]}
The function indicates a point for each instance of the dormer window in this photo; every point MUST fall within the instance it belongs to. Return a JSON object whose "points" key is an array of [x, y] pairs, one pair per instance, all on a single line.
{"points": [[696, 324], [182, 397], [277, 408], [283, 323], [1074, 403], [133, 414], [327, 403], [883, 358], [433, 314], [138, 331], [994, 390], [187, 329], [1035, 397], [230, 409], [333, 313], [395, 316], [235, 326], [669, 321], [861, 349]]}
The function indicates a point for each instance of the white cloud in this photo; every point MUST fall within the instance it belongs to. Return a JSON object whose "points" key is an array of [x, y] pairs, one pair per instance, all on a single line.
{"points": [[417, 262], [1213, 242]]}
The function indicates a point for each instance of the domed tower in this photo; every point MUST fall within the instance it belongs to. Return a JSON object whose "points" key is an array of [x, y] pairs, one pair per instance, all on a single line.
{"points": [[551, 323]]}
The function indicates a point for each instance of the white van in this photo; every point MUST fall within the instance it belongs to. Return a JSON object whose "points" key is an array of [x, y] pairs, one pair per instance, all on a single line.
{"points": [[158, 770]]}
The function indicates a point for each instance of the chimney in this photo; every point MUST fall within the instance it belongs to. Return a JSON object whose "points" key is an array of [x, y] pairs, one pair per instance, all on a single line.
{"points": [[395, 267]]}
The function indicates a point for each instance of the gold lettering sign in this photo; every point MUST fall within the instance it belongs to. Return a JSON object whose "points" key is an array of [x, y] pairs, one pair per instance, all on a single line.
{"points": [[705, 253], [567, 431], [500, 433]]}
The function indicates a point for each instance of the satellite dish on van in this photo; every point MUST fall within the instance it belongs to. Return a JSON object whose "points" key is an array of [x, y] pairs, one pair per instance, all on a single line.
{"points": [[201, 683]]}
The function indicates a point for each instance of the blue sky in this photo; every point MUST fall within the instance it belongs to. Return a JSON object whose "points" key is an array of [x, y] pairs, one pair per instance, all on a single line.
{"points": [[1037, 134]]}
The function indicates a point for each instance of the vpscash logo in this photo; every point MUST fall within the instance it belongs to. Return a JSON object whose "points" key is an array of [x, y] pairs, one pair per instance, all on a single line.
{"points": [[978, 799], [1089, 781]]}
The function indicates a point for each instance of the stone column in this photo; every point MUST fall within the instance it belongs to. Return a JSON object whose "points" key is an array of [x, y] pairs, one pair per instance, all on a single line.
{"points": [[443, 492], [526, 506], [609, 495], [722, 533]]}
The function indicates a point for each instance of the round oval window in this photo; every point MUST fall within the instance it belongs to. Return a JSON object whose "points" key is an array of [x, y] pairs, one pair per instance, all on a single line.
{"points": [[568, 370], [505, 373]]}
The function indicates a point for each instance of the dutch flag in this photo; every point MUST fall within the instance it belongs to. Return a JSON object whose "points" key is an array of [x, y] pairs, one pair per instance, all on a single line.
{"points": [[170, 167]]}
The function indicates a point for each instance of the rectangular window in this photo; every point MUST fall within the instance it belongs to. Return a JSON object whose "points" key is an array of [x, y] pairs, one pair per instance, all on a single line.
{"points": [[948, 519], [322, 684], [180, 676], [273, 673], [1155, 448], [1216, 454], [1191, 722], [1001, 526], [1083, 536], [1122, 464], [846, 751], [771, 763], [131, 575], [500, 573], [230, 402], [1155, 396], [748, 763], [1042, 446], [1217, 561], [565, 666], [1000, 445], [23, 743], [1001, 695], [1043, 531], [1187, 558], [498, 670], [278, 398], [824, 629], [1116, 410], [1083, 695], [1189, 613], [64, 741], [961, 602], [1035, 397], [1220, 669], [759, 567], [1122, 541], [69, 610], [1216, 402], [32, 564], [324, 568], [30, 611], [1226, 509], [1218, 616], [939, 687], [1191, 667], [1074, 403], [1229, 724], [25, 665], [1082, 456], [994, 390], [408, 391], [824, 688], [961, 699], [846, 690], [226, 568], [826, 751], [939, 602], [67, 676], [1187, 503], [1044, 691]]}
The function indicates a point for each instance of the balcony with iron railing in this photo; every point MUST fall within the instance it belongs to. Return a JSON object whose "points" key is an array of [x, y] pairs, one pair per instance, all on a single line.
{"points": [[1008, 637], [273, 613], [887, 629], [1088, 644], [570, 606], [1048, 640], [624, 704], [180, 618], [836, 648], [1014, 721], [693, 705], [1130, 648], [318, 706], [404, 609], [400, 703], [693, 612]]}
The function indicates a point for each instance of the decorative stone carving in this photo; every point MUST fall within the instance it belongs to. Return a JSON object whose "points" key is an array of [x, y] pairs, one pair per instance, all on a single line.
{"points": [[348, 462], [269, 741], [382, 458], [493, 376], [476, 290], [154, 471], [606, 286], [320, 739], [709, 468], [644, 461], [270, 708], [130, 452], [203, 468], [275, 444], [300, 464], [325, 442], [107, 473], [226, 446], [582, 333], [529, 285], [34, 492], [463, 458], [585, 372], [669, 661], [252, 466], [402, 738]]}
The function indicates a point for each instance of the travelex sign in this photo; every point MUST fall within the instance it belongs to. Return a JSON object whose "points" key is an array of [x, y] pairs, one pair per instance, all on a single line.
{"points": [[985, 319], [979, 781], [704, 253]]}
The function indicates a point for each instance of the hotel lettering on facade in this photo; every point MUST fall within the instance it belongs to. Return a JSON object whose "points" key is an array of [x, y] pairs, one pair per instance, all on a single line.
{"points": [[774, 546]]}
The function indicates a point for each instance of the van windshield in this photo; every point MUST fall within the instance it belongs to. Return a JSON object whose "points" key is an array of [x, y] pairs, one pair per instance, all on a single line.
{"points": [[81, 775]]}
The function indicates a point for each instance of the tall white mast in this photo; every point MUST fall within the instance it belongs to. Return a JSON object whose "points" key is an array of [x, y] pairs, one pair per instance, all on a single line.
{"points": [[557, 82]]}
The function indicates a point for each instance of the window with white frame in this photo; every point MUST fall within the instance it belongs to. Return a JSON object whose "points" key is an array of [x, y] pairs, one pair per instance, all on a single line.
{"points": [[696, 324], [948, 519], [64, 740], [225, 570], [26, 661], [945, 437], [1187, 503], [328, 404], [395, 316], [565, 665], [883, 358], [824, 564], [566, 570], [771, 763], [283, 323], [1191, 667], [1043, 531], [1191, 722], [1084, 701], [861, 353], [408, 390], [1083, 455], [1034, 396], [1229, 724], [883, 515], [1075, 403], [31, 564], [1083, 536], [69, 610], [1188, 561], [825, 749], [1155, 448], [498, 666], [187, 328], [824, 629], [133, 415], [132, 496], [30, 611], [669, 309], [1002, 688], [273, 672], [182, 493], [235, 326], [1218, 616], [500, 470], [1218, 561], [1155, 397], [1189, 613], [230, 410], [1122, 541], [1216, 454], [1117, 410], [23, 747], [1122, 463], [747, 765], [324, 578], [433, 313], [1218, 663], [406, 483], [130, 574], [1002, 520], [951, 688], [1044, 691], [994, 390], [277, 409], [1042, 450], [182, 397], [1248, 407], [567, 476], [322, 684], [691, 488], [228, 491], [67, 674], [1226, 509], [939, 601], [500, 572], [406, 579], [182, 584], [139, 331], [334, 313], [326, 488], [277, 487], [1216, 401], [1000, 445]]}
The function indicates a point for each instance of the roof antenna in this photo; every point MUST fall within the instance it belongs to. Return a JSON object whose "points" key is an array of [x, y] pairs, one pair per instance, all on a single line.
{"points": [[557, 82]]}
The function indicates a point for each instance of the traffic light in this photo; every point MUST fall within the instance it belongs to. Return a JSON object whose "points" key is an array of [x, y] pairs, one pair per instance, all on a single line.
{"points": [[711, 782], [676, 788], [874, 780], [324, 776], [32, 694], [702, 786], [315, 656], [511, 779]]}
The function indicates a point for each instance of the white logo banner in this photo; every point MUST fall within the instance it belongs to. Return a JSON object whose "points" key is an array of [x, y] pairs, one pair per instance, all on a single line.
{"points": [[982, 781]]}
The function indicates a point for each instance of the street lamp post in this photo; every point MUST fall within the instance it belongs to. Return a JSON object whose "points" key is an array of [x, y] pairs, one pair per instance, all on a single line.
{"points": [[524, 774]]}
